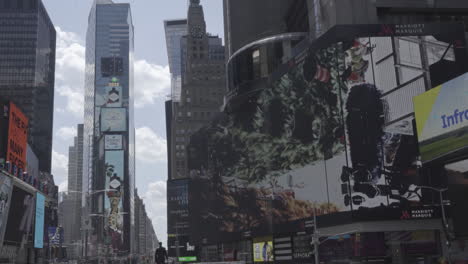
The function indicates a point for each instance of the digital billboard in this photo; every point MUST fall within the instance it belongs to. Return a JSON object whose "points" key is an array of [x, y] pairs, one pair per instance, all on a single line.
{"points": [[332, 131], [263, 250], [113, 202], [5, 200], [113, 142], [178, 207], [113, 96], [442, 118], [113, 119], [17, 137], [20, 220], [55, 235], [39, 220]]}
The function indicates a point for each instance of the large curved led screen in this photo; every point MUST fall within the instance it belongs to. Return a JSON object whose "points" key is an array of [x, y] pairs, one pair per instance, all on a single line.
{"points": [[334, 132]]}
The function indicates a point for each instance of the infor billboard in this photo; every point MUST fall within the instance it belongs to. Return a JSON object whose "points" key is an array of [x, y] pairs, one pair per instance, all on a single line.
{"points": [[442, 118]]}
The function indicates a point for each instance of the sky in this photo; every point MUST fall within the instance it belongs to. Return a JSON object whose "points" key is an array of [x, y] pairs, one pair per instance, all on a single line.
{"points": [[152, 86]]}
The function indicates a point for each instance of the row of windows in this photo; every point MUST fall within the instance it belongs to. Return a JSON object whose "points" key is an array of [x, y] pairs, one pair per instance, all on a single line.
{"points": [[197, 114], [180, 147]]}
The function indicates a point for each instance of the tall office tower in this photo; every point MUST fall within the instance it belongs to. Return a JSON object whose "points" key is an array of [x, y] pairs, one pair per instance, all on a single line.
{"points": [[109, 137], [175, 30], [75, 186], [27, 69], [202, 90]]}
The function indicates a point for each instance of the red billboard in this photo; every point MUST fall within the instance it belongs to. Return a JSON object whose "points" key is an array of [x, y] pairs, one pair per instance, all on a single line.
{"points": [[17, 137]]}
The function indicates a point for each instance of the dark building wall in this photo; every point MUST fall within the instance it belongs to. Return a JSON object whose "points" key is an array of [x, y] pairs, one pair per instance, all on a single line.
{"points": [[246, 21], [27, 69]]}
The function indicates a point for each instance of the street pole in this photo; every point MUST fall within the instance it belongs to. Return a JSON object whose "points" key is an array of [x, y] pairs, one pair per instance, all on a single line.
{"points": [[316, 238]]}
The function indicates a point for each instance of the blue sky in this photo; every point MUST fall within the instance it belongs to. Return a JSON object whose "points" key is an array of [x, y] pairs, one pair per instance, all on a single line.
{"points": [[152, 82]]}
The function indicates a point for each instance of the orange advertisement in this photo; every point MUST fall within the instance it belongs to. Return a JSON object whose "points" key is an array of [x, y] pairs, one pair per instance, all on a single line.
{"points": [[17, 137]]}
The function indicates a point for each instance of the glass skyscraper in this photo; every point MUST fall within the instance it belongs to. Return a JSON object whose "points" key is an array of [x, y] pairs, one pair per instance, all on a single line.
{"points": [[175, 30], [27, 69], [109, 137]]}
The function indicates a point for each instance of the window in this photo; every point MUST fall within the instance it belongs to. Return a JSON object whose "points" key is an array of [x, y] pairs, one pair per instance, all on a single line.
{"points": [[189, 114], [188, 100]]}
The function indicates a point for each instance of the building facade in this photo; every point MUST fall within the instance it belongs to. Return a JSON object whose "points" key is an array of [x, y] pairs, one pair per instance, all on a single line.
{"points": [[145, 237], [202, 90], [109, 137], [317, 142], [27, 69], [200, 58], [73, 200]]}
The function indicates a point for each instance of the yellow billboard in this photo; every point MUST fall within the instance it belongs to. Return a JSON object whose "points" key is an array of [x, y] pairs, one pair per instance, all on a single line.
{"points": [[263, 251]]}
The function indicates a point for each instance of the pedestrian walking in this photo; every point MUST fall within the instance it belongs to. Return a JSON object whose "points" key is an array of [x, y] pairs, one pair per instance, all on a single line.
{"points": [[160, 256]]}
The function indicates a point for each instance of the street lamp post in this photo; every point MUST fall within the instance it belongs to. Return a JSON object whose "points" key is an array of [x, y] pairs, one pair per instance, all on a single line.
{"points": [[444, 218]]}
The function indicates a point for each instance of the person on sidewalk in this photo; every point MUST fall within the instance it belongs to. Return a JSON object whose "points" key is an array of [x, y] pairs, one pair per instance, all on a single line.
{"points": [[160, 256]]}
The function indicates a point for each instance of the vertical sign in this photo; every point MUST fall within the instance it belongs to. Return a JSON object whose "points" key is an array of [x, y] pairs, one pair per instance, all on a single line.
{"points": [[39, 226], [17, 137], [5, 198]]}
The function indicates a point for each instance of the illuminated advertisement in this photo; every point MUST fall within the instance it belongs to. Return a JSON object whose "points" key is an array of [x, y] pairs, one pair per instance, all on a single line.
{"points": [[177, 204], [177, 215], [17, 137], [442, 118], [283, 249], [20, 220], [263, 250], [331, 132], [5, 200], [113, 96], [114, 171], [39, 226], [55, 235], [112, 142], [113, 119]]}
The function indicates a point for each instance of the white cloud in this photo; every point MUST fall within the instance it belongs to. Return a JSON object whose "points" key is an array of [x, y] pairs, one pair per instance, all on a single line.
{"points": [[66, 133], [156, 206], [63, 187], [59, 166], [69, 71], [151, 82], [150, 147]]}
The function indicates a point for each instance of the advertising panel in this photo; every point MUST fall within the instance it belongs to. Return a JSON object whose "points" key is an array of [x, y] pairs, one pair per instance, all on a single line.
{"points": [[5, 200], [112, 142], [113, 96], [113, 119], [263, 249], [17, 137], [39, 226], [55, 235], [178, 207], [113, 202], [283, 249], [333, 132], [302, 250], [442, 118], [20, 220]]}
